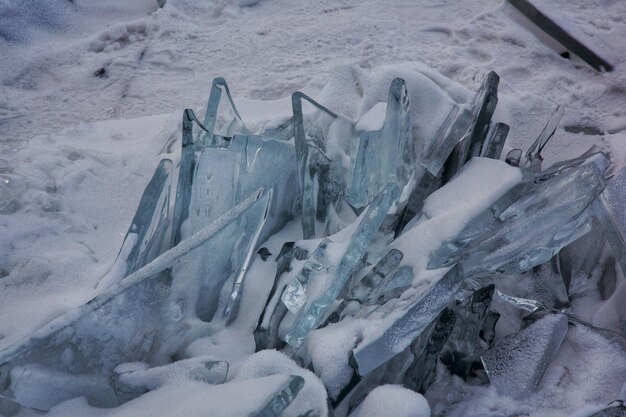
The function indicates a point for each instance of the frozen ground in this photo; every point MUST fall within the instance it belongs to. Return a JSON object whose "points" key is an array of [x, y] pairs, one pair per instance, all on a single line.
{"points": [[91, 94]]}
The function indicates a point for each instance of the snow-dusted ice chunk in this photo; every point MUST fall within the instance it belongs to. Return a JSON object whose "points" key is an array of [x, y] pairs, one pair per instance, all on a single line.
{"points": [[553, 213], [132, 380], [338, 269], [143, 318], [516, 363], [146, 238], [410, 325], [413, 367], [382, 154]]}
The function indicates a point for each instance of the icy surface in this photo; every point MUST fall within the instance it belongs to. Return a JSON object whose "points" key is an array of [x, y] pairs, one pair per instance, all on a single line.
{"points": [[82, 81], [516, 364]]}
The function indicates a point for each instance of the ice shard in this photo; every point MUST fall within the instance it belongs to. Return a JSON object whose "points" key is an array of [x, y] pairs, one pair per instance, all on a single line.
{"points": [[413, 367], [454, 334], [140, 319], [369, 288], [533, 154], [371, 354], [516, 363], [266, 333], [282, 398], [225, 175], [466, 342], [482, 108], [132, 380], [384, 155], [221, 120], [515, 243], [610, 209], [321, 177], [188, 162], [336, 274], [460, 137], [147, 236]]}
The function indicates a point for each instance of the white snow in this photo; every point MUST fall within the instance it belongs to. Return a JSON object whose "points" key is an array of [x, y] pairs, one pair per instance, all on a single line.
{"points": [[383, 399], [92, 92]]}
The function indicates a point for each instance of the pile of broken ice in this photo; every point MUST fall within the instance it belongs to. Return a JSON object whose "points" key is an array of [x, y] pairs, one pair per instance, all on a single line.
{"points": [[396, 263]]}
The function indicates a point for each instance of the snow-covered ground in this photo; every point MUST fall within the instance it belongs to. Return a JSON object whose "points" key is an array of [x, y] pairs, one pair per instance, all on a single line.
{"points": [[92, 92]]}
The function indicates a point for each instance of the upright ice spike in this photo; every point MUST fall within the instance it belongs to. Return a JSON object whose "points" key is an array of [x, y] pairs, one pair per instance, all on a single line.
{"points": [[482, 108], [146, 238], [185, 175], [320, 180], [370, 221], [384, 155], [221, 118], [428, 173], [143, 318]]}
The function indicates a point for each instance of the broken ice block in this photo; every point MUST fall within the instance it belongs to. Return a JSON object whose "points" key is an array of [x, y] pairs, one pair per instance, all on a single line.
{"points": [[516, 363], [143, 318], [384, 155], [335, 274], [454, 332], [132, 380], [146, 238], [371, 354]]}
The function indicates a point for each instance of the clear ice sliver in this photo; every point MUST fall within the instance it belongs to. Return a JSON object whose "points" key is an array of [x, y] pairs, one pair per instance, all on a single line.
{"points": [[369, 223]]}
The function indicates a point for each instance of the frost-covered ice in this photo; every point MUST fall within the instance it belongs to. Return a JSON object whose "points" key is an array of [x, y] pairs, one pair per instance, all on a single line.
{"points": [[82, 87]]}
